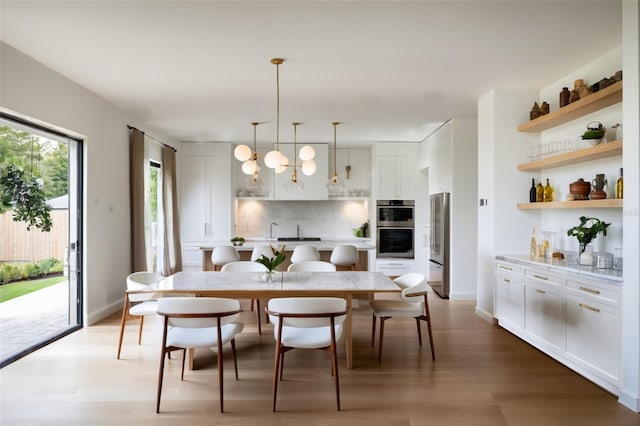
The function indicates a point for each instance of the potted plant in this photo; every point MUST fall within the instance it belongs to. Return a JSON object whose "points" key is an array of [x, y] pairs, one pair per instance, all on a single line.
{"points": [[272, 263], [587, 231], [237, 241]]}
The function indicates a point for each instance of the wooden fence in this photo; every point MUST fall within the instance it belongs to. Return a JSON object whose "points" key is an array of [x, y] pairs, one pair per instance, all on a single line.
{"points": [[19, 245]]}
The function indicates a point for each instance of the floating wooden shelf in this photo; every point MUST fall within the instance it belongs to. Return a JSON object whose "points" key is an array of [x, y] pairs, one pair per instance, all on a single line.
{"points": [[603, 150], [612, 203], [596, 101]]}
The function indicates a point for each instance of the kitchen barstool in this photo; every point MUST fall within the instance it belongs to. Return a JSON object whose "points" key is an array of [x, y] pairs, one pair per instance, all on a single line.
{"points": [[344, 256], [259, 251], [222, 255], [304, 253]]}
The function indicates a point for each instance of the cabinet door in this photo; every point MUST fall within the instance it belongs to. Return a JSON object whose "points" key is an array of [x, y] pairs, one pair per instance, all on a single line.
{"points": [[593, 335], [544, 315], [195, 199], [510, 300], [219, 195], [385, 173], [314, 185], [359, 159], [406, 177]]}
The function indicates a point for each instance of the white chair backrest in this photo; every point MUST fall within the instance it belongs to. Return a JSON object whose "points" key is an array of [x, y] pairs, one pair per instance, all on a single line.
{"points": [[259, 251], [418, 288], [312, 266], [224, 254], [307, 305], [198, 305], [243, 266], [409, 280], [344, 255], [138, 281], [304, 253]]}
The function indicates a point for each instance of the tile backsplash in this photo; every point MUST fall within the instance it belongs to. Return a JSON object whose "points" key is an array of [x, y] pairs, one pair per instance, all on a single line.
{"points": [[329, 219]]}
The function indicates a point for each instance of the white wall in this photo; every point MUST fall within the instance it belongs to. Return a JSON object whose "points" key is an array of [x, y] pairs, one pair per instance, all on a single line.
{"points": [[31, 89]]}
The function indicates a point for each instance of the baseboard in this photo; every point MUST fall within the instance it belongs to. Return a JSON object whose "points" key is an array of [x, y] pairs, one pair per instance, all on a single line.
{"points": [[104, 312], [630, 401], [463, 296], [487, 316]]}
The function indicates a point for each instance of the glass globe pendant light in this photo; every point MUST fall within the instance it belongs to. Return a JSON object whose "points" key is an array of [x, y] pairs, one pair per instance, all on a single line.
{"points": [[295, 184], [275, 158], [335, 185]]}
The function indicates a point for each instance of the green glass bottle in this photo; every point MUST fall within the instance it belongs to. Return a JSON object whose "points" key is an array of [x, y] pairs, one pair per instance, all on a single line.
{"points": [[539, 192]]}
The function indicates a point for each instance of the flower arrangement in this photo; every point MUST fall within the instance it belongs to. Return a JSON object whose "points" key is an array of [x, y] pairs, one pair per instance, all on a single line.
{"points": [[271, 263], [588, 230]]}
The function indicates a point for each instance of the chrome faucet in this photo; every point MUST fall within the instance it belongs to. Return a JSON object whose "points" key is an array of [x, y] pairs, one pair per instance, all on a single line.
{"points": [[271, 229]]}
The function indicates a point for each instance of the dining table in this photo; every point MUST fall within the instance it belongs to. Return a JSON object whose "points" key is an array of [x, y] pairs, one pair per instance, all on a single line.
{"points": [[251, 285]]}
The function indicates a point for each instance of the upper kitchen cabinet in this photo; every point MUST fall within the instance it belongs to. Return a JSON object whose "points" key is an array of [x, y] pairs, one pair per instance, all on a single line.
{"points": [[266, 174], [205, 182], [354, 167], [314, 185], [395, 170]]}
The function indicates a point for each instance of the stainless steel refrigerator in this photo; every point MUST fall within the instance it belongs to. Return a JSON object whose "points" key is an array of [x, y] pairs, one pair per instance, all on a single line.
{"points": [[439, 247]]}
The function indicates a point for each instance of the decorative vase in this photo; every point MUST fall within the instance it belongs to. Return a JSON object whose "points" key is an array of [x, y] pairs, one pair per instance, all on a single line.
{"points": [[268, 276], [564, 97], [585, 256]]}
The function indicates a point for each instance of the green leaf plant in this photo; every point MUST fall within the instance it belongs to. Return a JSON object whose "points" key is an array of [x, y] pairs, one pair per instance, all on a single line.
{"points": [[271, 263], [25, 195], [588, 230]]}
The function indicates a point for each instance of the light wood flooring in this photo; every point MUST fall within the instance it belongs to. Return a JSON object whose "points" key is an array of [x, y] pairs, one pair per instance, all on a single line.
{"points": [[482, 375]]}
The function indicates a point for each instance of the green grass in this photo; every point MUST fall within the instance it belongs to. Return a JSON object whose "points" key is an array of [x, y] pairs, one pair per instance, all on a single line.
{"points": [[13, 290]]}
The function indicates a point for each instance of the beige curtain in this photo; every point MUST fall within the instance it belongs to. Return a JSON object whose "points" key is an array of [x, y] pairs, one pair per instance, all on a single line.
{"points": [[171, 255], [136, 193]]}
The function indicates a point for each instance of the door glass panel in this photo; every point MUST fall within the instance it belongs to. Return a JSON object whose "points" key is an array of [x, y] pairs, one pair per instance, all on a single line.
{"points": [[40, 285]]}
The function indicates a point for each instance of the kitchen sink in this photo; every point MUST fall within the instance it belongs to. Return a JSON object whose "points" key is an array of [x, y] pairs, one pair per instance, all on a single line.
{"points": [[299, 239]]}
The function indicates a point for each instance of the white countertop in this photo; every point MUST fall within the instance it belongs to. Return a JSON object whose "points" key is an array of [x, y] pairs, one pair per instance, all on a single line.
{"points": [[362, 244], [610, 275]]}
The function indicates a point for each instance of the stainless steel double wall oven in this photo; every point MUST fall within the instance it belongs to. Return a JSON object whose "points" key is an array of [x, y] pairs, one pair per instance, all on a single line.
{"points": [[395, 228]]}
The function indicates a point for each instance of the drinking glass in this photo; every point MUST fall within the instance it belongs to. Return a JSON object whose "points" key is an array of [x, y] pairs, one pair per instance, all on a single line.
{"points": [[617, 259]]}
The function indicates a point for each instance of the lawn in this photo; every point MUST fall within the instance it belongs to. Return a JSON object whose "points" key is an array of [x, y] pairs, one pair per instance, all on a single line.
{"points": [[13, 290]]}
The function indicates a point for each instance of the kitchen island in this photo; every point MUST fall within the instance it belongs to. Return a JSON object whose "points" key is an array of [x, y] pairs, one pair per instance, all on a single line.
{"points": [[325, 247]]}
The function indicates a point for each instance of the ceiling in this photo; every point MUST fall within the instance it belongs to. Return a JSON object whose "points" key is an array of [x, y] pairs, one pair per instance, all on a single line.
{"points": [[387, 70]]}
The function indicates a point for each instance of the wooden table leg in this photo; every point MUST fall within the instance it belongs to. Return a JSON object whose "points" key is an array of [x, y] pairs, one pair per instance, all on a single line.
{"points": [[190, 353], [348, 342]]}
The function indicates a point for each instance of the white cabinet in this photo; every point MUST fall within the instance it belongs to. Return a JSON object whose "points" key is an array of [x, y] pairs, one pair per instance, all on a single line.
{"points": [[572, 318], [314, 185], [396, 171], [358, 183], [394, 268], [509, 295], [205, 196], [266, 174]]}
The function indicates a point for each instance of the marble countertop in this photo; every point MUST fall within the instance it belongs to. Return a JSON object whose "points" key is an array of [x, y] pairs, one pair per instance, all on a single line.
{"points": [[362, 244], [609, 275]]}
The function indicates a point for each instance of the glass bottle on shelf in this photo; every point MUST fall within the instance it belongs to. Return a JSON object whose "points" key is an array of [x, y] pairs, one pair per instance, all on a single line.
{"points": [[532, 191], [539, 192], [547, 194], [619, 186], [532, 250]]}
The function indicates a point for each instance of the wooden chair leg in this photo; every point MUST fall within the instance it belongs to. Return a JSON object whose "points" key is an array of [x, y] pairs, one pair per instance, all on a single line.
{"points": [[433, 351], [381, 339], [235, 358], [184, 357], [276, 373], [373, 330], [334, 361], [258, 316], [419, 332], [160, 377], [220, 381], [140, 329], [123, 320]]}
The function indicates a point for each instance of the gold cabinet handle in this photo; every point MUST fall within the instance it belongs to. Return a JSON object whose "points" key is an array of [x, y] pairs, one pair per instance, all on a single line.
{"points": [[540, 277], [506, 268], [541, 291], [591, 308], [589, 290], [506, 280]]}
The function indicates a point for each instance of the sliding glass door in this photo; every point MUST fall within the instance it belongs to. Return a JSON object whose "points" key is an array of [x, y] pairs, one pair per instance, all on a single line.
{"points": [[40, 235]]}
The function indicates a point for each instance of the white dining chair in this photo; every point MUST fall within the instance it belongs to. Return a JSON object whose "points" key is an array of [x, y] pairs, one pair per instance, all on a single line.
{"points": [[198, 322], [305, 252], [412, 303], [138, 305], [344, 256], [306, 323], [312, 266], [222, 255], [261, 250]]}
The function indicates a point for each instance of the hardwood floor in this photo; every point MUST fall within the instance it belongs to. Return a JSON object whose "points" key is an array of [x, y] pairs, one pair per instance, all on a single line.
{"points": [[482, 375]]}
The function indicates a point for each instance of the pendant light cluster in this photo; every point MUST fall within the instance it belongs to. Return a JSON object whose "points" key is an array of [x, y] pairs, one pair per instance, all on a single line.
{"points": [[276, 160]]}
